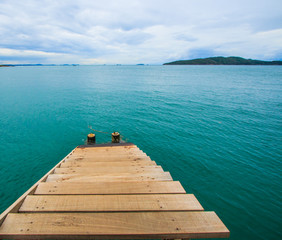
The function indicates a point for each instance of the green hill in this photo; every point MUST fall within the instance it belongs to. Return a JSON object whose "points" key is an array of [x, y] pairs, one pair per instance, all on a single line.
{"points": [[223, 61]]}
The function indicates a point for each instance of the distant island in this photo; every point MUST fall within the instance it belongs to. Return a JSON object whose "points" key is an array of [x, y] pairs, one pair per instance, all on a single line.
{"points": [[223, 61], [5, 65], [32, 65]]}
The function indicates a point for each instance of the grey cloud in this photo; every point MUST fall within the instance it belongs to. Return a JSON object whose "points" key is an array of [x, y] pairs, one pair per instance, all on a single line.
{"points": [[201, 52], [185, 37]]}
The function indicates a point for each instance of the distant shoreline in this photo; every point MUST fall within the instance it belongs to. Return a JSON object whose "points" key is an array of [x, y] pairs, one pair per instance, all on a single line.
{"points": [[223, 61], [36, 65]]}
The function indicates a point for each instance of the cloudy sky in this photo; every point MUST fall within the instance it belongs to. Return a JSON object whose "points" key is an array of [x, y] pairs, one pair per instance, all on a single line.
{"points": [[138, 31]]}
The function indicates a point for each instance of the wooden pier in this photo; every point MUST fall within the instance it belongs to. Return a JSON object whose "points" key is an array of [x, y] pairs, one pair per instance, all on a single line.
{"points": [[110, 191]]}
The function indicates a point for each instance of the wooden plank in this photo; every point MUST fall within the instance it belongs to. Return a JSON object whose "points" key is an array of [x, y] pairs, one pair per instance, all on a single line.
{"points": [[129, 225], [114, 156], [113, 145], [103, 174], [108, 156], [114, 164], [109, 169], [110, 187], [108, 150], [109, 153], [139, 152], [111, 203], [103, 146], [109, 159], [165, 176]]}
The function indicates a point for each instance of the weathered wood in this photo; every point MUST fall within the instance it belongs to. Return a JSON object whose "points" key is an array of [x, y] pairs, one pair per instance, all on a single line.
{"points": [[103, 156], [172, 187], [165, 176], [111, 203], [131, 225], [108, 150], [123, 144], [111, 147], [90, 155], [109, 169], [108, 159], [108, 192], [108, 146], [106, 164], [99, 156]]}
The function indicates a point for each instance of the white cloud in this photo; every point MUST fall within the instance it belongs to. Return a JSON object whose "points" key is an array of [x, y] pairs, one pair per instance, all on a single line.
{"points": [[24, 56], [98, 32], [13, 52]]}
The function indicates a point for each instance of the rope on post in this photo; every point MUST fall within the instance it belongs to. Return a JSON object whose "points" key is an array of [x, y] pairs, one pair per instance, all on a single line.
{"points": [[98, 130], [116, 136]]}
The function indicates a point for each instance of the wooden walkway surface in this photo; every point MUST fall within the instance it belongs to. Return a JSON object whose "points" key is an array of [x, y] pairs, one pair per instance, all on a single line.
{"points": [[108, 192]]}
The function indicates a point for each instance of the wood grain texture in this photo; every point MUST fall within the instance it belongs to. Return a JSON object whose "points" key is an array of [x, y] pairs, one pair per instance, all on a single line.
{"points": [[172, 187], [104, 158], [111, 203], [108, 169], [154, 225], [112, 146], [97, 156], [107, 164], [108, 151], [165, 176], [108, 192]]}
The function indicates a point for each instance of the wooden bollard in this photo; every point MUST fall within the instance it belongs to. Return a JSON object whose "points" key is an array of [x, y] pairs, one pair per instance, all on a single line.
{"points": [[91, 138], [115, 137]]}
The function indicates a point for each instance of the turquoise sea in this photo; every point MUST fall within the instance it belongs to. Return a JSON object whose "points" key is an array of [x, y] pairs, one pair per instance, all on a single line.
{"points": [[217, 129]]}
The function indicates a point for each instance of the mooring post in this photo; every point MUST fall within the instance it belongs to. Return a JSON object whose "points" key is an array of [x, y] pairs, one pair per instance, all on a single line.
{"points": [[115, 137], [91, 138]]}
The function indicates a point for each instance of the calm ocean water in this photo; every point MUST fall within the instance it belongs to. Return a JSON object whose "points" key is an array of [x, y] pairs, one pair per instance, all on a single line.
{"points": [[217, 129]]}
